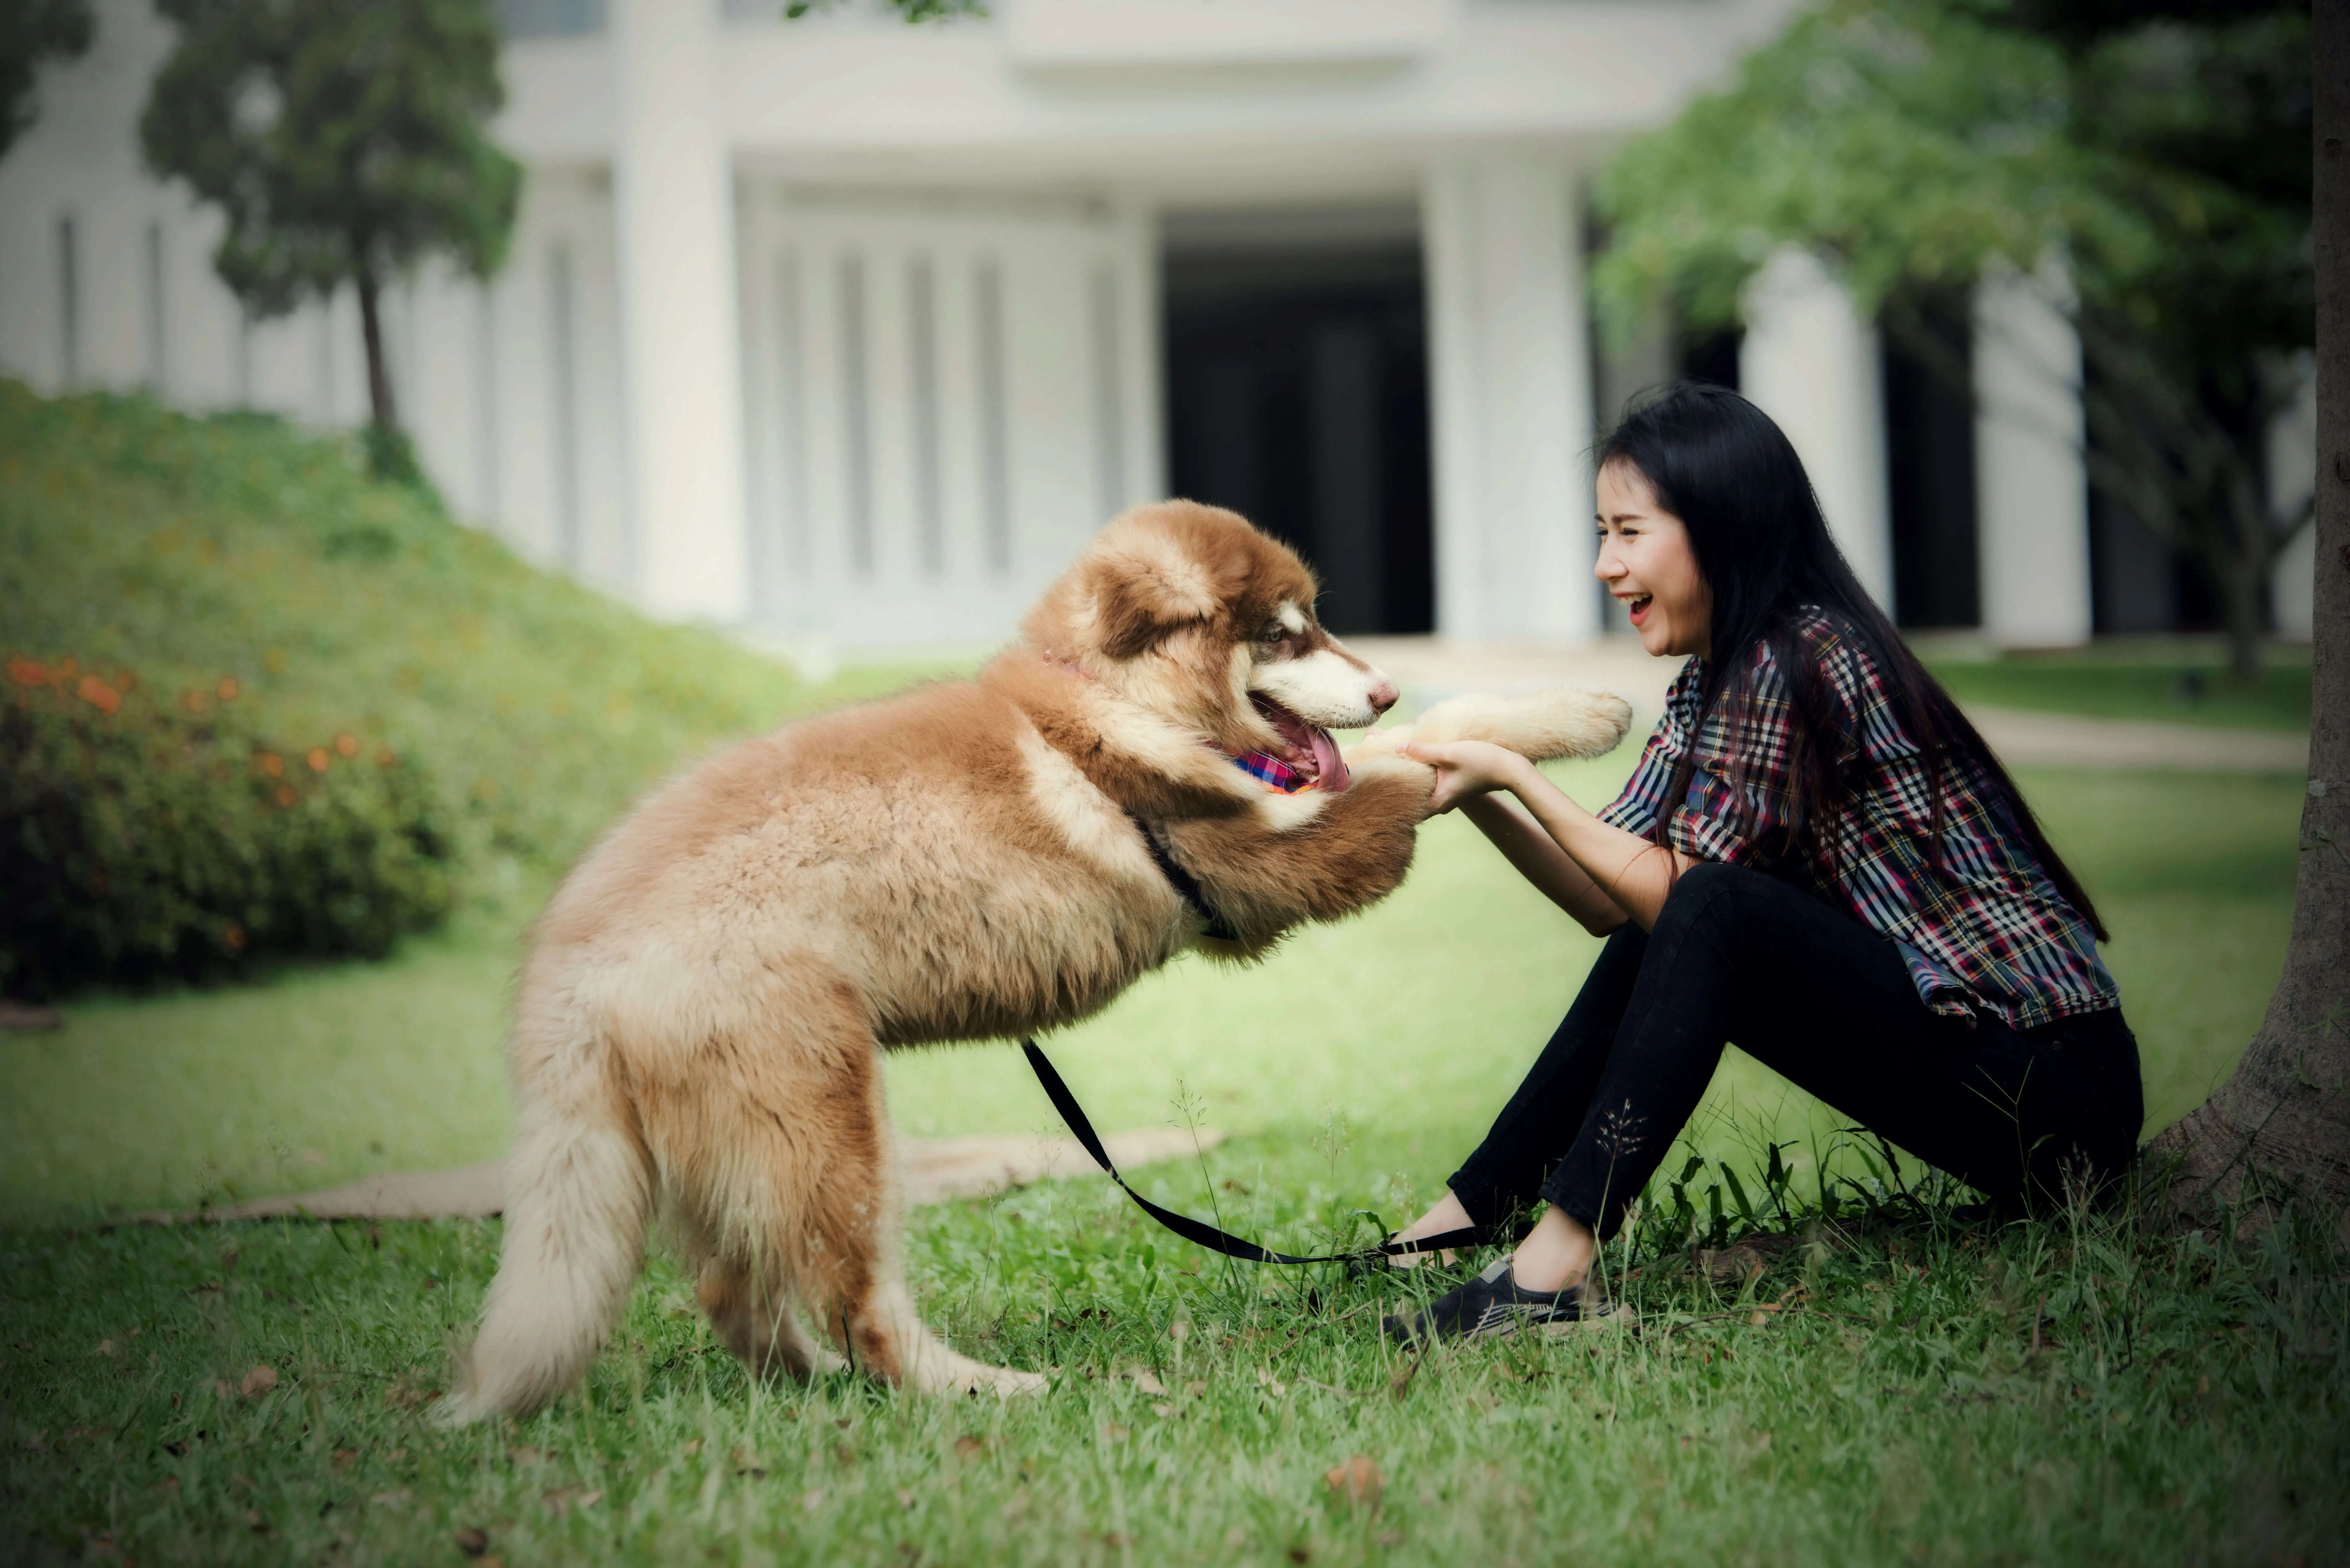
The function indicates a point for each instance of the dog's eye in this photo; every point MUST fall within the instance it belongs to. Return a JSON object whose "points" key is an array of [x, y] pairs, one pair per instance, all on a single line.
{"points": [[1273, 631]]}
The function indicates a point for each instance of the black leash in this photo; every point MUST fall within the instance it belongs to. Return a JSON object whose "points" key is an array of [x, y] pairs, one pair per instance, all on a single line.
{"points": [[1197, 1232]]}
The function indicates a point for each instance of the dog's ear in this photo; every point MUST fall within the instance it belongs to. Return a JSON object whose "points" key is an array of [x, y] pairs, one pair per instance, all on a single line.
{"points": [[1141, 595]]}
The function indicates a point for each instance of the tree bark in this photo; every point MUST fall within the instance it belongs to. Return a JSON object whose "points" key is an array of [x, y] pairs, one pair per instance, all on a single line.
{"points": [[2284, 1116], [379, 404]]}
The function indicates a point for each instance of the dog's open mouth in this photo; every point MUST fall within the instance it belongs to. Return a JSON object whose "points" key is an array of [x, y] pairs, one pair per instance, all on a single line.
{"points": [[1305, 749]]}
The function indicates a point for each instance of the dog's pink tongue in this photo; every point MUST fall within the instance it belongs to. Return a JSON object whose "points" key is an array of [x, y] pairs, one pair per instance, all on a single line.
{"points": [[1330, 766]]}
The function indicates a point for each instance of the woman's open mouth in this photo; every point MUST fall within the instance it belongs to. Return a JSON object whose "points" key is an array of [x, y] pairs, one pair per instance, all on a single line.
{"points": [[1639, 606], [1308, 748]]}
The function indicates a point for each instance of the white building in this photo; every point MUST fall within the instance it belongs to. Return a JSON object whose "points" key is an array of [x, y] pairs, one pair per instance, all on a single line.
{"points": [[849, 332]]}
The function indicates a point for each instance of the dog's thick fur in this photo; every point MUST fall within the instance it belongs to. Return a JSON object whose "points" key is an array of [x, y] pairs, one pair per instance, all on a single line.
{"points": [[699, 1025]]}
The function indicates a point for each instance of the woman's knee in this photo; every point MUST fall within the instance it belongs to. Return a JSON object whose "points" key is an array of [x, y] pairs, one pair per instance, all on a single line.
{"points": [[1706, 893]]}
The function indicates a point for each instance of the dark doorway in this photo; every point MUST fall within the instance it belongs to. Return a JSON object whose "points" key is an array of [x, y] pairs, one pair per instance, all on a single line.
{"points": [[1929, 463], [1297, 396]]}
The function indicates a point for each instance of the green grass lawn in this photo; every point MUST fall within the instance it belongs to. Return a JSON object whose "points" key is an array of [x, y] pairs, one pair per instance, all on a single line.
{"points": [[2168, 681], [2187, 1400]]}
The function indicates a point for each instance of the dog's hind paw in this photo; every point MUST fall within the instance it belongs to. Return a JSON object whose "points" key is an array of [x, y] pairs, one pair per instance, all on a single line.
{"points": [[1543, 726], [1003, 1382]]}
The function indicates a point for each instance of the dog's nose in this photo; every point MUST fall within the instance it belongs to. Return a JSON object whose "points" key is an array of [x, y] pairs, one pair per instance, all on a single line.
{"points": [[1383, 696]]}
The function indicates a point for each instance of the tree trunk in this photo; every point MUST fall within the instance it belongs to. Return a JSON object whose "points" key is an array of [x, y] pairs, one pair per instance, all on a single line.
{"points": [[2285, 1114], [379, 403]]}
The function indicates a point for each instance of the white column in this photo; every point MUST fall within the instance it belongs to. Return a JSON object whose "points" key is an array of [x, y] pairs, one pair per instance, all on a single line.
{"points": [[1510, 362], [2293, 475], [681, 341], [2031, 488], [1811, 363]]}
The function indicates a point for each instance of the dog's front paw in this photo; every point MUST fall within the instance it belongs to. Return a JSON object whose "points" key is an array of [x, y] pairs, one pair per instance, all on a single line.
{"points": [[1543, 726], [1003, 1382]]}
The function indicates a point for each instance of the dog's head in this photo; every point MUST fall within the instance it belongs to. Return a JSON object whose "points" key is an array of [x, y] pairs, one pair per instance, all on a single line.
{"points": [[1191, 613]]}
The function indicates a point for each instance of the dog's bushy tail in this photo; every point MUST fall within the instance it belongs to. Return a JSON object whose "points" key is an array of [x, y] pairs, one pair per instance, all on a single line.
{"points": [[578, 1194]]}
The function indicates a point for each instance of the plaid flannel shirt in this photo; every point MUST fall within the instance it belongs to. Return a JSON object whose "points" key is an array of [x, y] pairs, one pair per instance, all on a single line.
{"points": [[1985, 931]]}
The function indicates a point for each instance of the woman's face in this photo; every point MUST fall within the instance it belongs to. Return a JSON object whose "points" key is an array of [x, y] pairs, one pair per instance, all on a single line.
{"points": [[1645, 562]]}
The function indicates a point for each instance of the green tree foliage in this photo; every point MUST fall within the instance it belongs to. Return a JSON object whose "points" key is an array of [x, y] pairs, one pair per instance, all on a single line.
{"points": [[2158, 154], [346, 143], [32, 34]]}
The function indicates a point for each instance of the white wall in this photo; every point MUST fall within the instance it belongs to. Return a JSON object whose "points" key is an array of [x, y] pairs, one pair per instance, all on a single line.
{"points": [[1811, 363], [944, 400], [1510, 384]]}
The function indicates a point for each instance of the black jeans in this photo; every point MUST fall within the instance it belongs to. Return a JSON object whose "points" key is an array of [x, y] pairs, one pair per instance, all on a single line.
{"points": [[1810, 993]]}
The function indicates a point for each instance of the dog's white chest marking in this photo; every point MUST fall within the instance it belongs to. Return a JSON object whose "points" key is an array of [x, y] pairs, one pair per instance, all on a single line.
{"points": [[1089, 820]]}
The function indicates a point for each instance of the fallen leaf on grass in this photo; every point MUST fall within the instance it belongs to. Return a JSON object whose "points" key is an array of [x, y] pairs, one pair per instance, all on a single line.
{"points": [[1146, 1381], [747, 1463], [527, 1459], [1272, 1384], [1194, 1388], [473, 1540], [1162, 1409], [968, 1448], [907, 1497], [257, 1382], [106, 1347], [812, 1499], [1358, 1479], [344, 1458], [559, 1501]]}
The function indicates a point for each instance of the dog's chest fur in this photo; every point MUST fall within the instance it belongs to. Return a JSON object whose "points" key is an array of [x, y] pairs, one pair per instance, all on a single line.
{"points": [[959, 875]]}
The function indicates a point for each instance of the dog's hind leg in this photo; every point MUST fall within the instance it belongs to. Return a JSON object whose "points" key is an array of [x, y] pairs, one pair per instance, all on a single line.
{"points": [[792, 1192], [754, 1316], [856, 1274]]}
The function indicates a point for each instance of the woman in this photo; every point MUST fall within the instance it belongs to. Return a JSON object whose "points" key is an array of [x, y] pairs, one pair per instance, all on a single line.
{"points": [[1817, 858]]}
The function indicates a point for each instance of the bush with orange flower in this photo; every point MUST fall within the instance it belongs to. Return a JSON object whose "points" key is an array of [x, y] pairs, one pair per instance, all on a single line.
{"points": [[148, 836]]}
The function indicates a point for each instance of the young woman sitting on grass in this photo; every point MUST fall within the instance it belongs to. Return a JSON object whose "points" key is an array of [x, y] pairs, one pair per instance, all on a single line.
{"points": [[1817, 858]]}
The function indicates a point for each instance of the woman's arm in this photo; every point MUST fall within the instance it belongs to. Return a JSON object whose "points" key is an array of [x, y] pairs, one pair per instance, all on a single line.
{"points": [[1540, 860], [1632, 873]]}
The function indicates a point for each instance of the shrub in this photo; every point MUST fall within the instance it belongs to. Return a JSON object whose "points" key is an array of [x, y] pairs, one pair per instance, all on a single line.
{"points": [[147, 835]]}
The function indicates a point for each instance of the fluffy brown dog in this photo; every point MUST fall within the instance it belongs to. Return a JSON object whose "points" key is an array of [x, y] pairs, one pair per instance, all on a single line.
{"points": [[701, 1019]]}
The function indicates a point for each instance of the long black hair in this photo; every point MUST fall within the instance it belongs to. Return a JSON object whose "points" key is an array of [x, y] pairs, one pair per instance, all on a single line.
{"points": [[1719, 464]]}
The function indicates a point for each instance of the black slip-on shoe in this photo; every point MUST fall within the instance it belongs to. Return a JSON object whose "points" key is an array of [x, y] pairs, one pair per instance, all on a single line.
{"points": [[1494, 1304]]}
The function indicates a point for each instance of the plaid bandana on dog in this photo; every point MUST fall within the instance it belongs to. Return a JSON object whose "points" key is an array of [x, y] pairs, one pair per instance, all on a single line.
{"points": [[1274, 773]]}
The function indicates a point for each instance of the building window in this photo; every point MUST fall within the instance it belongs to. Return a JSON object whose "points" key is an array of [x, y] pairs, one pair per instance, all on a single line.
{"points": [[569, 545], [922, 351], [68, 303], [551, 19], [1109, 406], [156, 336], [855, 415]]}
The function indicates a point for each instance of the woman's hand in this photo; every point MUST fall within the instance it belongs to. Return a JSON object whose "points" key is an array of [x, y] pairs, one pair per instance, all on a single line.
{"points": [[1467, 768]]}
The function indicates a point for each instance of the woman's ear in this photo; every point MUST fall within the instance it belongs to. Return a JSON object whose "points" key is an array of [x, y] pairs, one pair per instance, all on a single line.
{"points": [[1138, 600]]}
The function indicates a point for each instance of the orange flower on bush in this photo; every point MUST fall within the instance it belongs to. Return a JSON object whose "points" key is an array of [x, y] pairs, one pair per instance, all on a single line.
{"points": [[27, 672], [226, 690], [349, 745], [99, 695], [233, 937], [285, 795], [192, 701], [271, 763], [317, 759]]}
